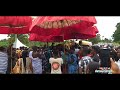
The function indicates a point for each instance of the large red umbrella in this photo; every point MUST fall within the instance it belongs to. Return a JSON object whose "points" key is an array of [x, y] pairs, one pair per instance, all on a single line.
{"points": [[54, 25], [85, 34], [70, 27], [15, 24]]}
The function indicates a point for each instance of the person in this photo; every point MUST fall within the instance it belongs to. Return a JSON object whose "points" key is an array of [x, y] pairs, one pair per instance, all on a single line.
{"points": [[114, 67], [56, 63], [3, 60], [30, 53], [92, 66], [84, 61], [12, 58], [24, 56], [29, 68], [72, 62], [19, 67], [36, 61], [45, 62], [18, 52], [104, 57], [95, 53], [64, 57]]}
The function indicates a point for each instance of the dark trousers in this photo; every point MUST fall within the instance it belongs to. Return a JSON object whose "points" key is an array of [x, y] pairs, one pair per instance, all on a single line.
{"points": [[24, 61]]}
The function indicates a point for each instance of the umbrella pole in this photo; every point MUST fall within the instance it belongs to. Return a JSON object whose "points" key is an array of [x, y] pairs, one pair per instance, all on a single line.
{"points": [[47, 44], [65, 66], [11, 58], [11, 52]]}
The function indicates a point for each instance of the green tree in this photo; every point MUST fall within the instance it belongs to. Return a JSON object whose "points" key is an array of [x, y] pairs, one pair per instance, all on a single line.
{"points": [[23, 38], [116, 34], [95, 40], [4, 43]]}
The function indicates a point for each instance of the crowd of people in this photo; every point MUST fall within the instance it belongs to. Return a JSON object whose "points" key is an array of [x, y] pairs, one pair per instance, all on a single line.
{"points": [[72, 58]]}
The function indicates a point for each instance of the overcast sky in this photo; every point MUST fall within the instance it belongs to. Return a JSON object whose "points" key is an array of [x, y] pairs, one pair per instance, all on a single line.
{"points": [[106, 26]]}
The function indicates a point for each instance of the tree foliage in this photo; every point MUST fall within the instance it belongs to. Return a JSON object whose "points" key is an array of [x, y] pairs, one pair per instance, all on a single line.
{"points": [[4, 43], [116, 34], [95, 40], [23, 38]]}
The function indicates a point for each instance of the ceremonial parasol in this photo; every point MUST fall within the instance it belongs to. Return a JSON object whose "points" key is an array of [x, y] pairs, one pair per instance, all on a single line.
{"points": [[15, 25]]}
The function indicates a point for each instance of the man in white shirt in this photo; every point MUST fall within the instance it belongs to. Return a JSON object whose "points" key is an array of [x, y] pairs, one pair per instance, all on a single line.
{"points": [[56, 63]]}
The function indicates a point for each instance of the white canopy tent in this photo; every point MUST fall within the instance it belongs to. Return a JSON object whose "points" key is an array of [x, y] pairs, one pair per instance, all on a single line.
{"points": [[18, 44]]}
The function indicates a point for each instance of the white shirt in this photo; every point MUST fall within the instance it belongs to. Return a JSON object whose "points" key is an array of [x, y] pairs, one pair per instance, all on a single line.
{"points": [[56, 65], [76, 50], [30, 54]]}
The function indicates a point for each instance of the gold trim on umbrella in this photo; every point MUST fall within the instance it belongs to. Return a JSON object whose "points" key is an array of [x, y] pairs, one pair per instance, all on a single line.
{"points": [[12, 26], [58, 24]]}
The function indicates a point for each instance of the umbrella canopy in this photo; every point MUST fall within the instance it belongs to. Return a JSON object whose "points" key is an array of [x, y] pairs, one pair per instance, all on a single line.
{"points": [[70, 27], [89, 33], [52, 25], [15, 24], [51, 38]]}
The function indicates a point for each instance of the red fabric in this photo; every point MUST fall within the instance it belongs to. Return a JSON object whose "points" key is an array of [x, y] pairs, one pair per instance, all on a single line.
{"points": [[42, 19], [86, 21], [51, 38], [11, 24], [75, 28], [4, 30], [82, 30], [85, 34]]}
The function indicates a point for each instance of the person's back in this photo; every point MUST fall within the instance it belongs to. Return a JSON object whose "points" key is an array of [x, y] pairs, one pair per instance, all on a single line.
{"points": [[72, 61], [36, 62], [92, 66], [95, 53], [56, 63], [24, 56], [84, 61], [83, 64], [3, 61]]}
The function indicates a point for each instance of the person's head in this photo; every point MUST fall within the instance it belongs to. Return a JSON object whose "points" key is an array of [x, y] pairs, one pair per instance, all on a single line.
{"points": [[118, 53], [30, 49], [34, 48], [95, 50], [72, 51], [66, 51], [76, 45], [26, 48], [85, 51], [55, 53]]}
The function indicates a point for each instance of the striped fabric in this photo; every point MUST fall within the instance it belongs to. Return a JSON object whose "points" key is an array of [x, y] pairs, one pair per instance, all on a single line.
{"points": [[3, 62], [37, 66], [84, 62]]}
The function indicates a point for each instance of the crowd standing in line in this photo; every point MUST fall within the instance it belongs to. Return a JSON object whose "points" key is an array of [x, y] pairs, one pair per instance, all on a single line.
{"points": [[70, 58]]}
